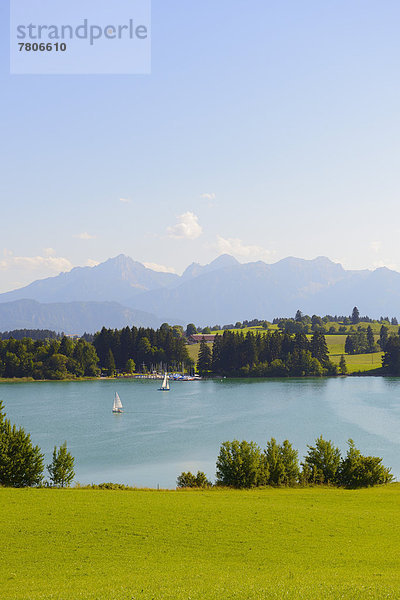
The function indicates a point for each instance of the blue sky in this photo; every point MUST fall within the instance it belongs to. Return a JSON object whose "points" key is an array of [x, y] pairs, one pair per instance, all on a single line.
{"points": [[265, 129]]}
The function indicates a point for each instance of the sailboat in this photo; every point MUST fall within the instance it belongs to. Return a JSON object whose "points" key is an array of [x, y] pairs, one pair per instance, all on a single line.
{"points": [[165, 384], [117, 406]]}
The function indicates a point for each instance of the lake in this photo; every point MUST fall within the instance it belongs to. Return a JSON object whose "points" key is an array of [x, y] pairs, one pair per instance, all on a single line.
{"points": [[161, 434]]}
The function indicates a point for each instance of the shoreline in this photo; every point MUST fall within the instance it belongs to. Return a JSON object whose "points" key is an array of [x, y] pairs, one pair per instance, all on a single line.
{"points": [[370, 373]]}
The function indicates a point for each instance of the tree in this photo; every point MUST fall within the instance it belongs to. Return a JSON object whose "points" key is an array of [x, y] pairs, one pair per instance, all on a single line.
{"points": [[391, 358], [370, 339], [357, 470], [319, 348], [299, 316], [110, 363], [144, 354], [281, 463], [383, 337], [316, 323], [130, 365], [177, 331], [323, 461], [349, 345], [61, 470], [21, 463], [204, 363], [240, 465], [191, 330], [249, 349], [188, 480], [343, 365], [216, 354], [355, 316]]}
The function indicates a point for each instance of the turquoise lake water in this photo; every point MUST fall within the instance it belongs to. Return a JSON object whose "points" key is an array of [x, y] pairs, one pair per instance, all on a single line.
{"points": [[161, 434]]}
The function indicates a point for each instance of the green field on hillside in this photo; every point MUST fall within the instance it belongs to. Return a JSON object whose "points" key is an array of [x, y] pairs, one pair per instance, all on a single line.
{"points": [[273, 543], [376, 327], [355, 363]]}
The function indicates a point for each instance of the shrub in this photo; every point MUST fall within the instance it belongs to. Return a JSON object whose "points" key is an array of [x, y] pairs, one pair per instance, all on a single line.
{"points": [[188, 480], [322, 462], [281, 463], [357, 470], [240, 465], [61, 469]]}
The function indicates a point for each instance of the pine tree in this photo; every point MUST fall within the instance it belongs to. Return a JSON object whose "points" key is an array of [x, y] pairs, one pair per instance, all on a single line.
{"points": [[61, 470], [370, 339], [298, 316], [21, 463], [319, 348], [355, 316], [110, 363], [204, 363], [216, 354], [349, 345], [343, 365], [383, 337]]}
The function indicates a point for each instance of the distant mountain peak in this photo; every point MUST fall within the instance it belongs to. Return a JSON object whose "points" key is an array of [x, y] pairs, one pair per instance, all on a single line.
{"points": [[221, 262], [225, 260], [324, 259]]}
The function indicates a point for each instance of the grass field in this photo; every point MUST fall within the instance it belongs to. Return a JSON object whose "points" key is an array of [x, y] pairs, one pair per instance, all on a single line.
{"points": [[356, 362], [283, 543]]}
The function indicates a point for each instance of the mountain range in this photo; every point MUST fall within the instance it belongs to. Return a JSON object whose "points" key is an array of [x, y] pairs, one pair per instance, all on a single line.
{"points": [[122, 292]]}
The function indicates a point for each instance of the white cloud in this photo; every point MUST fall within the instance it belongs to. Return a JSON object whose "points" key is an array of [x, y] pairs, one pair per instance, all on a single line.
{"points": [[188, 227], [377, 264], [49, 251], [50, 264], [376, 246], [125, 200], [209, 197], [84, 236], [236, 247], [159, 268], [92, 263]]}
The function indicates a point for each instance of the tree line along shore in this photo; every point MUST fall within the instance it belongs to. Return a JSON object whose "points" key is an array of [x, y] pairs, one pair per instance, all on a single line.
{"points": [[293, 347]]}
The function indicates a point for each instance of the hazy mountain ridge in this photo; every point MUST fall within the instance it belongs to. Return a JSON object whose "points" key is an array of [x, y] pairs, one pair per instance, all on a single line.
{"points": [[117, 279], [72, 317], [221, 292]]}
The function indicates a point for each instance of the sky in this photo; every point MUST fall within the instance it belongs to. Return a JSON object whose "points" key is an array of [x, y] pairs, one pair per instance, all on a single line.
{"points": [[266, 129]]}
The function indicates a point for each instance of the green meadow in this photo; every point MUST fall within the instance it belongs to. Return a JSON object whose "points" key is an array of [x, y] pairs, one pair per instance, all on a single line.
{"points": [[356, 362], [311, 543]]}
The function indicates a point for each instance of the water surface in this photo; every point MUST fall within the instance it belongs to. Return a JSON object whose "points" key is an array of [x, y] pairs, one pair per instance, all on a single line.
{"points": [[161, 434]]}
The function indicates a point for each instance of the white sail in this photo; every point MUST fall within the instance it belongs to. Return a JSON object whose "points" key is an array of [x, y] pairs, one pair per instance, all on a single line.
{"points": [[165, 384], [117, 406]]}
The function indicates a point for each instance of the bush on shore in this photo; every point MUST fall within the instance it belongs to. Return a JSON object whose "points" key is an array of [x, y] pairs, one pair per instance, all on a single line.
{"points": [[245, 465]]}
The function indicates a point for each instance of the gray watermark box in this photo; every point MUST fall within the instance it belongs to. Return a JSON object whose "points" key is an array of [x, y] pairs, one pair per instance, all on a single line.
{"points": [[68, 37]]}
